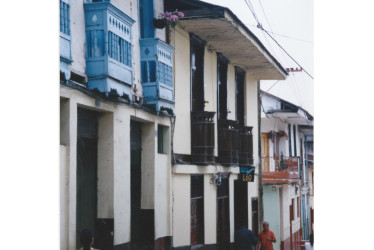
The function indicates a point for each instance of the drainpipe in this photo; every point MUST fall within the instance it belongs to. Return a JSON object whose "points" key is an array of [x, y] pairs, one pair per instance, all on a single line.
{"points": [[260, 188]]}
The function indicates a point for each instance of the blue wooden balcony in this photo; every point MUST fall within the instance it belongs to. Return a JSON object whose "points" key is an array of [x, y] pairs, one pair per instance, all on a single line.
{"points": [[108, 48], [157, 73]]}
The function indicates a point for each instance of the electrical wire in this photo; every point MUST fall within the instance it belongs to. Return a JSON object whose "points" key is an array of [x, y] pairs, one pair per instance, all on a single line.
{"points": [[269, 89], [259, 25], [287, 53], [302, 40]]}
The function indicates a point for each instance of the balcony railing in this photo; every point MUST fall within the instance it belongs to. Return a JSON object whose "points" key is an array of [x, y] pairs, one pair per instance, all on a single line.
{"points": [[228, 142], [280, 163], [202, 137], [280, 169], [246, 146]]}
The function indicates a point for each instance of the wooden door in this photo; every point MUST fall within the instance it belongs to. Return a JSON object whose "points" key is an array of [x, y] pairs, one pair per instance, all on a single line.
{"points": [[265, 152], [197, 209], [240, 203], [223, 216], [239, 77], [135, 159], [222, 87], [197, 74]]}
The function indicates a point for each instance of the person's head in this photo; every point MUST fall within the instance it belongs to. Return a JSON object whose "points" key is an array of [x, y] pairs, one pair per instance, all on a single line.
{"points": [[86, 238], [265, 226]]}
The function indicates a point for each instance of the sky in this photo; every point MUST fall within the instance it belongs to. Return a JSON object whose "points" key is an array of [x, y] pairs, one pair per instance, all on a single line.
{"points": [[290, 23]]}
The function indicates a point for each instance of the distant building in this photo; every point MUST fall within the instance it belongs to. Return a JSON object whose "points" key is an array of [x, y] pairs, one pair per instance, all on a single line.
{"points": [[287, 157]]}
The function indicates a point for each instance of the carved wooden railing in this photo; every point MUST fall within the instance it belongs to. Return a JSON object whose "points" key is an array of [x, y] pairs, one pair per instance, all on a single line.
{"points": [[228, 142], [202, 137], [246, 146]]}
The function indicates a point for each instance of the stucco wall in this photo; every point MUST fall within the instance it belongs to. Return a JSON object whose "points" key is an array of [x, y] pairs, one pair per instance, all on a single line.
{"points": [[113, 165], [181, 210], [182, 93], [210, 205], [162, 195], [64, 209]]}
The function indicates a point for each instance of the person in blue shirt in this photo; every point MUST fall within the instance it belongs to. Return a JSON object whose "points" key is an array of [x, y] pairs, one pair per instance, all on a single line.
{"points": [[245, 239]]}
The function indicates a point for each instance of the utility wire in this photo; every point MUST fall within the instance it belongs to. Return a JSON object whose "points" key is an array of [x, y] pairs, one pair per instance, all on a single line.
{"points": [[263, 11], [269, 89], [302, 40], [287, 52], [259, 25]]}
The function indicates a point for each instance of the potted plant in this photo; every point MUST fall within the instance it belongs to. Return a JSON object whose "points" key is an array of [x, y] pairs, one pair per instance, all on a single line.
{"points": [[167, 18]]}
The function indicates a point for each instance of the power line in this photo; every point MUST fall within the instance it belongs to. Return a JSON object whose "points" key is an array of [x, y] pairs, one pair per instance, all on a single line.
{"points": [[302, 40], [260, 27], [287, 53]]}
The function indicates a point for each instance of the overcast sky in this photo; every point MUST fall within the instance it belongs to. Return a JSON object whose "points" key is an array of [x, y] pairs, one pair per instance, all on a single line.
{"points": [[290, 23]]}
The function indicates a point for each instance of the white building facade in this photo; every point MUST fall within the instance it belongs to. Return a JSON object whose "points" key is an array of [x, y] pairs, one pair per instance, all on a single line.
{"points": [[159, 134]]}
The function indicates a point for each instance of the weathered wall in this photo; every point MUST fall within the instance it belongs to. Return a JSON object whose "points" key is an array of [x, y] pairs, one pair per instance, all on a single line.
{"points": [[182, 92], [64, 192], [181, 210], [113, 165]]}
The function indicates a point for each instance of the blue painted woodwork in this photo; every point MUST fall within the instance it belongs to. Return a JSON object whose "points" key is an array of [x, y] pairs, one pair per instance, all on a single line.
{"points": [[108, 47], [65, 38], [146, 13], [157, 73]]}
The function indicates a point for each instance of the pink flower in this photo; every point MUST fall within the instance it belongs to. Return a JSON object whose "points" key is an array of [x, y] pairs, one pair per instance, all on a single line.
{"points": [[180, 14]]}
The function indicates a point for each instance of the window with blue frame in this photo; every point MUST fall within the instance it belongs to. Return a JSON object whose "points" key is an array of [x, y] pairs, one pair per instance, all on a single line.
{"points": [[148, 71], [95, 43], [165, 73], [119, 49], [64, 18]]}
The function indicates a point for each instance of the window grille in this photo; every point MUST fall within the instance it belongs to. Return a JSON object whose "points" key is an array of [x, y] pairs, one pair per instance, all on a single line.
{"points": [[119, 49]]}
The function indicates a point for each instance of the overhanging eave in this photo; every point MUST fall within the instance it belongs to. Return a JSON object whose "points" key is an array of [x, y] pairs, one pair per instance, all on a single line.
{"points": [[224, 34]]}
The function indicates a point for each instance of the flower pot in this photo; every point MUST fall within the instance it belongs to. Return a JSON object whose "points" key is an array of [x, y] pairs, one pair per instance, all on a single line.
{"points": [[159, 23]]}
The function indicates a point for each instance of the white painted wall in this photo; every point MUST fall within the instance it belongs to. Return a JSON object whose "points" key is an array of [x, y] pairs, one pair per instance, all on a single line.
{"points": [[113, 166], [182, 92], [64, 192], [210, 206], [121, 172], [162, 195], [78, 36], [181, 210]]}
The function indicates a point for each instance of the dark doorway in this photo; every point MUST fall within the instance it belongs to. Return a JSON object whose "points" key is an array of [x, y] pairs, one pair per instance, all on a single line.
{"points": [[86, 170], [197, 209], [222, 86], [135, 140], [223, 215], [240, 204], [197, 74], [239, 77], [142, 220]]}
